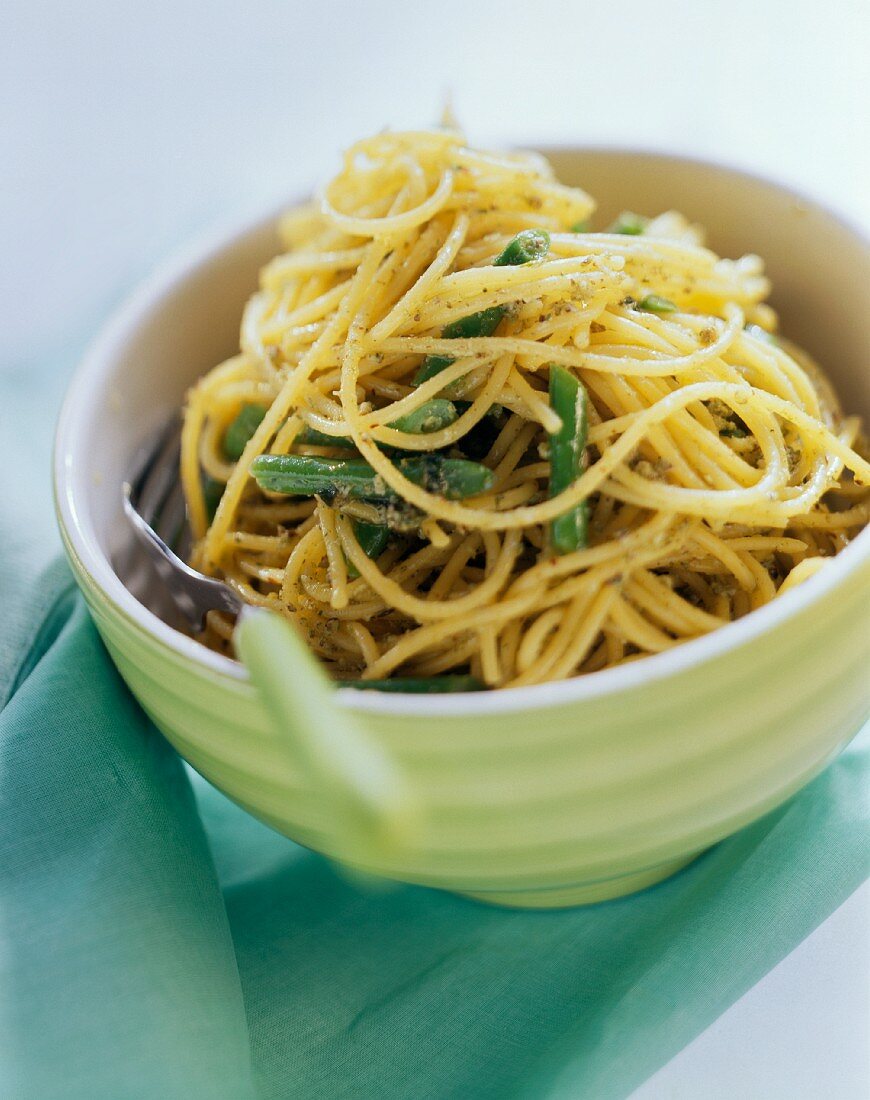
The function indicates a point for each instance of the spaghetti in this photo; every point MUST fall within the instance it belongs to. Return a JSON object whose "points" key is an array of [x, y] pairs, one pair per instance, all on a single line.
{"points": [[469, 442]]}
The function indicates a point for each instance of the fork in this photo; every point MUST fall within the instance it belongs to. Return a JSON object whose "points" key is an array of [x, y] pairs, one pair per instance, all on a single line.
{"points": [[374, 813]]}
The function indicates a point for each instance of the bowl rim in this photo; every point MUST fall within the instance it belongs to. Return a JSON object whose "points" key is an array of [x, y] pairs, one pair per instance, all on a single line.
{"points": [[157, 290]]}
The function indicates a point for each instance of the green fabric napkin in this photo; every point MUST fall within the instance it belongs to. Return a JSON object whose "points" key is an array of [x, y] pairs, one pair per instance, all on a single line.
{"points": [[158, 942]]}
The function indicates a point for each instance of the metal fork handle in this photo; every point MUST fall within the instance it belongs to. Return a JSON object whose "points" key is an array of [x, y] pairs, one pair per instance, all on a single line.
{"points": [[371, 805]]}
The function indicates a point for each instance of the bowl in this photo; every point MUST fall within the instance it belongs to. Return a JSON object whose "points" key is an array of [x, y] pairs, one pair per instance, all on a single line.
{"points": [[552, 795]]}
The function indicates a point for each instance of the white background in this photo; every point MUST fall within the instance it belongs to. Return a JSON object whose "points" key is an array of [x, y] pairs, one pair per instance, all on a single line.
{"points": [[127, 127]]}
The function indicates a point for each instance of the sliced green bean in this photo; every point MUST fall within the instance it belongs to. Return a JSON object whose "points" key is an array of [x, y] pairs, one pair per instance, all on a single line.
{"points": [[240, 431], [212, 491], [477, 324], [418, 685], [431, 416], [654, 303], [311, 437], [432, 365], [631, 225], [355, 479], [568, 400], [525, 248], [373, 539]]}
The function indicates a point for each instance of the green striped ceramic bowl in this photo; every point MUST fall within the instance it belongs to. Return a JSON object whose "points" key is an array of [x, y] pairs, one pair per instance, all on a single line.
{"points": [[551, 795]]}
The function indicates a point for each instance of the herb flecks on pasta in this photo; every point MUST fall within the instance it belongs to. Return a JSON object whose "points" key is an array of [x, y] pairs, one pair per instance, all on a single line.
{"points": [[469, 442]]}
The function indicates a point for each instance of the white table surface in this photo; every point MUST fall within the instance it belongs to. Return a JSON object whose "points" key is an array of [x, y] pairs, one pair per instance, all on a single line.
{"points": [[125, 128]]}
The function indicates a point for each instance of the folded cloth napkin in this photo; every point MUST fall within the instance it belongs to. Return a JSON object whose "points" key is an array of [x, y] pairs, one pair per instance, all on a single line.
{"points": [[158, 942]]}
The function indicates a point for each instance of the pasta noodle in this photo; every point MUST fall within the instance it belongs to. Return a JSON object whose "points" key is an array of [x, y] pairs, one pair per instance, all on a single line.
{"points": [[406, 341]]}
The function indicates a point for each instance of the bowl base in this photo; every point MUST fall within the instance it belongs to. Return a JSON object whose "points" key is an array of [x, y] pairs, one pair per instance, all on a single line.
{"points": [[565, 897]]}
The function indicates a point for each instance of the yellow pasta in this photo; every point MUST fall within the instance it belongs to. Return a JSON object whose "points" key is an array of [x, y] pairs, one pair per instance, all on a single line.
{"points": [[717, 471]]}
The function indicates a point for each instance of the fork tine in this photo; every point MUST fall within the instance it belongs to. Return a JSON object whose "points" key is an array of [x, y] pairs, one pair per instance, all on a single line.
{"points": [[153, 498], [159, 481], [148, 455], [170, 521]]}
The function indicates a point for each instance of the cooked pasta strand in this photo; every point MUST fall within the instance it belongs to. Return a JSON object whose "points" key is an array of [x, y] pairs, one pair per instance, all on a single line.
{"points": [[718, 469]]}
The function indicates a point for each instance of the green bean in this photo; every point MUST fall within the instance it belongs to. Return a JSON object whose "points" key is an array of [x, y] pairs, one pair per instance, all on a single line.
{"points": [[581, 227], [311, 437], [418, 685], [632, 225], [248, 420], [373, 539], [654, 303], [432, 365], [240, 431], [568, 400], [354, 479], [477, 324], [431, 416], [212, 491], [526, 247]]}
